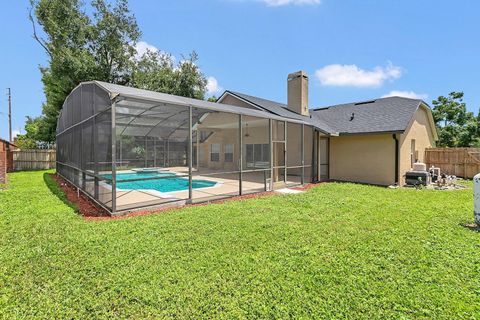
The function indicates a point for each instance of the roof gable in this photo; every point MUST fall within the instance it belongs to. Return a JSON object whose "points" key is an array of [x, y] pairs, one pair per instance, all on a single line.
{"points": [[433, 128], [277, 108]]}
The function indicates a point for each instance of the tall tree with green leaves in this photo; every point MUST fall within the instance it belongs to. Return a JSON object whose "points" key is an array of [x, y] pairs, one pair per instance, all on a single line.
{"points": [[25, 141], [456, 126], [157, 71], [101, 46], [81, 48]]}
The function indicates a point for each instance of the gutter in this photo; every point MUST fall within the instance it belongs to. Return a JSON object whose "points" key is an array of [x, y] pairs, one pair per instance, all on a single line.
{"points": [[397, 169], [370, 133]]}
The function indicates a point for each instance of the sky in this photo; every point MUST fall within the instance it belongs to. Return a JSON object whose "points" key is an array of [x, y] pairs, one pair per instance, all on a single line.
{"points": [[352, 50]]}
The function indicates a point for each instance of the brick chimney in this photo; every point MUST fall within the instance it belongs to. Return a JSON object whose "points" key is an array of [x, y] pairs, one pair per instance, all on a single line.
{"points": [[298, 92]]}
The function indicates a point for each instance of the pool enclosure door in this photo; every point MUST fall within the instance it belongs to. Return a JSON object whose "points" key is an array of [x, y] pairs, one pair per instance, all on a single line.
{"points": [[324, 158], [279, 154]]}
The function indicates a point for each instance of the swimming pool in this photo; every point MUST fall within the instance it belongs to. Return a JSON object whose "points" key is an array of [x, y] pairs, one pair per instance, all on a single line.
{"points": [[166, 182], [125, 176]]}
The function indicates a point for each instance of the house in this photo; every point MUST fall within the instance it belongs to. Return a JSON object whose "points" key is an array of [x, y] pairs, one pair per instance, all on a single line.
{"points": [[128, 148], [374, 142], [6, 160]]}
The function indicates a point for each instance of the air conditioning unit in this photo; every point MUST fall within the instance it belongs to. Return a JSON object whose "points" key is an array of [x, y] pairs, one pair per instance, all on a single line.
{"points": [[415, 178]]}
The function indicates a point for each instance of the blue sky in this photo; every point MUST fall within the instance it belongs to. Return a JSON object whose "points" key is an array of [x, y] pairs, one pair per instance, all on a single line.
{"points": [[352, 50]]}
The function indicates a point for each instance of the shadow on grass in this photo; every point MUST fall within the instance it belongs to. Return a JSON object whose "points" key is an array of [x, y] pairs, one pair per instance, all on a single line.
{"points": [[52, 184]]}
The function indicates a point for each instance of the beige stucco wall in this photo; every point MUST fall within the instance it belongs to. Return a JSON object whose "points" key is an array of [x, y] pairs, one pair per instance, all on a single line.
{"points": [[294, 145], [421, 130], [259, 135], [363, 158], [225, 128], [226, 137]]}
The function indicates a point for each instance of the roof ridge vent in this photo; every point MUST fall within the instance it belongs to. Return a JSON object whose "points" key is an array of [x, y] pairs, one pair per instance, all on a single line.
{"points": [[321, 108], [365, 102]]}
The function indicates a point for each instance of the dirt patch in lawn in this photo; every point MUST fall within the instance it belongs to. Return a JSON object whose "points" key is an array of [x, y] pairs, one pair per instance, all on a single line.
{"points": [[84, 205], [471, 226]]}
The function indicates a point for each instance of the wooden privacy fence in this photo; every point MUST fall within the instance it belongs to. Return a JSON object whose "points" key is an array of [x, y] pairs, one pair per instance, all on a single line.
{"points": [[34, 159], [462, 162]]}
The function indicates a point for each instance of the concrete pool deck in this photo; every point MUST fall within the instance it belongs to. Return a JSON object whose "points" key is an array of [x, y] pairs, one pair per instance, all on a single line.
{"points": [[227, 185]]}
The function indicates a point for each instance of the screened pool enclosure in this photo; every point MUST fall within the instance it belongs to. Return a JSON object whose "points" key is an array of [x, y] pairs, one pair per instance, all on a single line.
{"points": [[128, 148]]}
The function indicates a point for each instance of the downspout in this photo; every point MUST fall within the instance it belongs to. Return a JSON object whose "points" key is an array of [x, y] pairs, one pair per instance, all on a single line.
{"points": [[397, 169]]}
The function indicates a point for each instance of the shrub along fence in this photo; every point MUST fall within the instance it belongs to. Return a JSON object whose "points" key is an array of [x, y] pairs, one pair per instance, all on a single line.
{"points": [[34, 159], [462, 162]]}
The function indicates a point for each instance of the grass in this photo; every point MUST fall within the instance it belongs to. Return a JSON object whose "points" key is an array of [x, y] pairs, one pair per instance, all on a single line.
{"points": [[336, 251]]}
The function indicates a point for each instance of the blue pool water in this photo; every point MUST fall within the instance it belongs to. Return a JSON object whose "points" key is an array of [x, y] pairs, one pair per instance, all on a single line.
{"points": [[124, 181], [139, 175]]}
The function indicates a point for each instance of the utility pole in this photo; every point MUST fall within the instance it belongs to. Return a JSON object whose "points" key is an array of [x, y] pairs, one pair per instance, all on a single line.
{"points": [[9, 93]]}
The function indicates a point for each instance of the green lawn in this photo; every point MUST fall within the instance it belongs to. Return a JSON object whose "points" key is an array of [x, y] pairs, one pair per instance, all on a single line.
{"points": [[336, 251]]}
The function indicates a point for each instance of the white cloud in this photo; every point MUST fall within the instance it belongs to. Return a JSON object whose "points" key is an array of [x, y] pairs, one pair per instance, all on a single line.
{"points": [[406, 94], [213, 87], [349, 75], [142, 47], [15, 133], [278, 3]]}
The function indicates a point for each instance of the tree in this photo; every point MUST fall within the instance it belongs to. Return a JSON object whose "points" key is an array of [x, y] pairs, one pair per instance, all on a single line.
{"points": [[212, 99], [25, 141], [114, 35], [100, 46], [456, 126], [81, 48], [157, 71]]}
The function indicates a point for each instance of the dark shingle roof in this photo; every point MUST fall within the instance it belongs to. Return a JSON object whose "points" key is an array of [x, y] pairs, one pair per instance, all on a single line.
{"points": [[392, 114], [282, 110], [272, 106]]}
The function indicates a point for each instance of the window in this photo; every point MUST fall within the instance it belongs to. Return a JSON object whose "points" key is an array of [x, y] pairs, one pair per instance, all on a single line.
{"points": [[258, 155], [265, 152], [228, 153], [249, 154], [214, 152]]}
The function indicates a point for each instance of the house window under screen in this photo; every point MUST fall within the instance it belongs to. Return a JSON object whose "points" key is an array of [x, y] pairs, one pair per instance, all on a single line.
{"points": [[128, 148]]}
